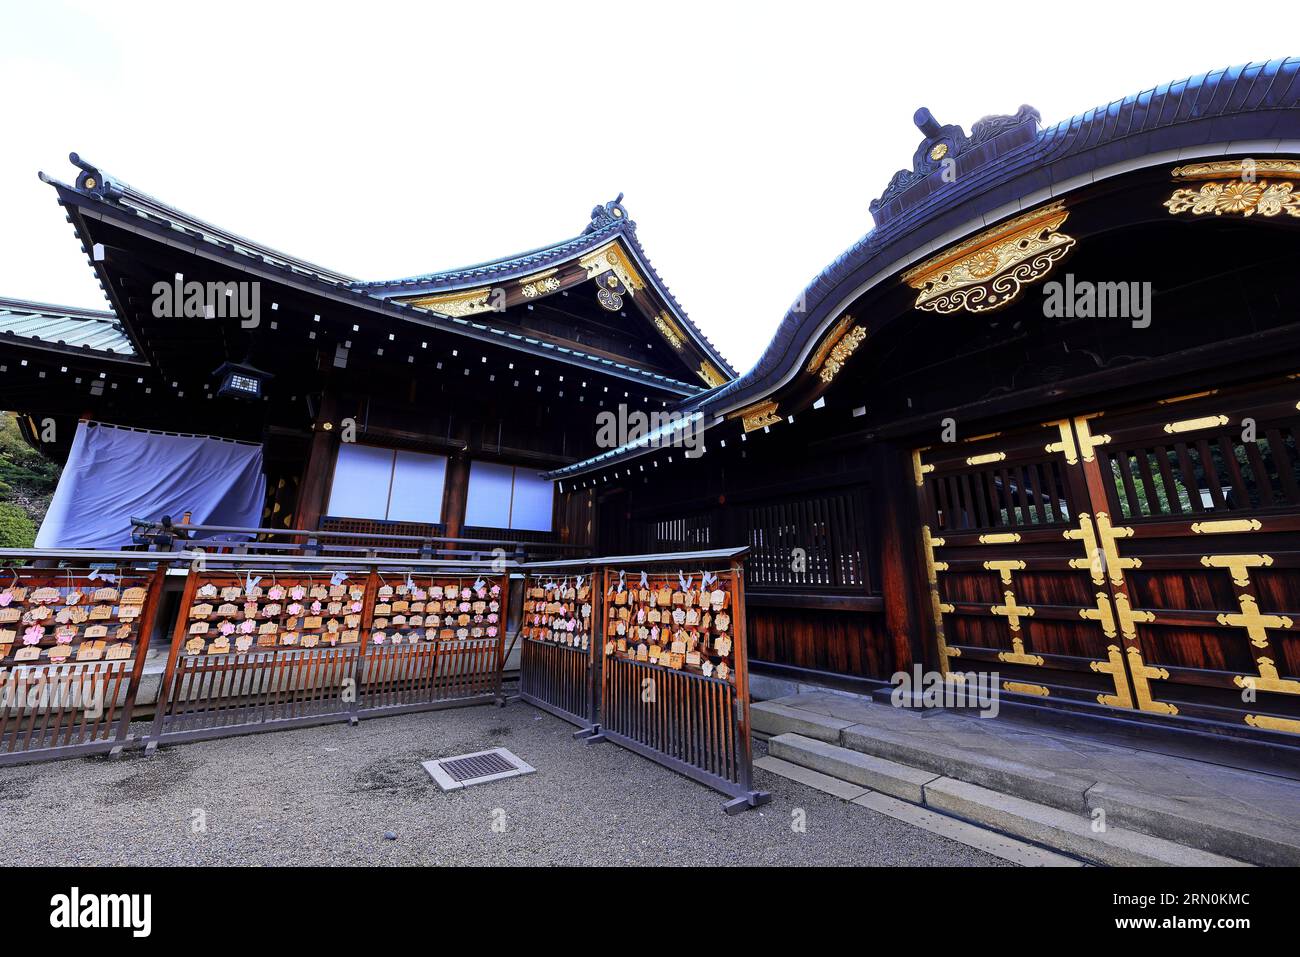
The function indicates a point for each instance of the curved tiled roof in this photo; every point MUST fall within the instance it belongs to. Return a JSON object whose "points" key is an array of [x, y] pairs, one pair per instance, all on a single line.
{"points": [[1252, 108], [93, 186], [607, 222], [493, 270], [65, 327]]}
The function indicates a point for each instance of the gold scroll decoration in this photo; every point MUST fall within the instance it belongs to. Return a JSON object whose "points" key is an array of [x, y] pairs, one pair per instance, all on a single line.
{"points": [[836, 348], [1234, 187], [990, 270], [671, 332], [540, 284], [456, 304], [757, 416]]}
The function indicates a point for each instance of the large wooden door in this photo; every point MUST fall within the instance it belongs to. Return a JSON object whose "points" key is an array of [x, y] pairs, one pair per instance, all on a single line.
{"points": [[1139, 559]]}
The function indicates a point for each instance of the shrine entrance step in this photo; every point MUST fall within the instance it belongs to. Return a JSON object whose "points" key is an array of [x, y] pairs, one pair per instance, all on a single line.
{"points": [[1246, 815]]}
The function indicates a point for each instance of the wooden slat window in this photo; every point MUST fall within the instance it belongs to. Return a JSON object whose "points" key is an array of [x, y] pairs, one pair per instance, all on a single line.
{"points": [[808, 542]]}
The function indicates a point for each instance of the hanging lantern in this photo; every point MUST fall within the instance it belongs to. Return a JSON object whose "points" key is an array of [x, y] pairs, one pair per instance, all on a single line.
{"points": [[241, 380]]}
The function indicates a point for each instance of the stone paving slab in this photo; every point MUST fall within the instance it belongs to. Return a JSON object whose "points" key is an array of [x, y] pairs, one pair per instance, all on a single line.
{"points": [[772, 717], [814, 779], [1252, 815]]}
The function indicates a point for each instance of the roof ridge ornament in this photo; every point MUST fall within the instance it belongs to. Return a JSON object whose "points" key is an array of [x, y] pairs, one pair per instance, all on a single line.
{"points": [[91, 179], [948, 151], [610, 214]]}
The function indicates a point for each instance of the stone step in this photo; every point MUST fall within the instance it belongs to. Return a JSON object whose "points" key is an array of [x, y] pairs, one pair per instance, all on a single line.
{"points": [[1041, 785], [1065, 830], [1069, 831], [771, 718], [843, 790], [1258, 840], [972, 835], [1198, 824], [865, 770]]}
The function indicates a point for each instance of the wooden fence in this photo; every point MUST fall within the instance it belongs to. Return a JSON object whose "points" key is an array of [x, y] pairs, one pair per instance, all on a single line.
{"points": [[647, 651], [260, 648], [558, 659], [665, 671], [73, 639], [260, 642]]}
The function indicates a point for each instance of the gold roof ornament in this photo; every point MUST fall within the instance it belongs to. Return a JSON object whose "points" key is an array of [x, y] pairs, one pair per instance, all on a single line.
{"points": [[990, 270], [456, 304], [1235, 187], [540, 284], [611, 257], [757, 416], [842, 341], [711, 376], [671, 332]]}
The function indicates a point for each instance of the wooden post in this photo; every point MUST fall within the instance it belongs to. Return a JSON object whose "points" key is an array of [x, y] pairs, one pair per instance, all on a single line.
{"points": [[596, 630], [904, 587], [363, 639], [453, 512], [741, 676], [152, 601], [169, 673], [313, 494]]}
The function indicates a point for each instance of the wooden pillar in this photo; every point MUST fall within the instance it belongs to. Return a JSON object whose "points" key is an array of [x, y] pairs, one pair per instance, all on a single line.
{"points": [[313, 494], [453, 508], [897, 534]]}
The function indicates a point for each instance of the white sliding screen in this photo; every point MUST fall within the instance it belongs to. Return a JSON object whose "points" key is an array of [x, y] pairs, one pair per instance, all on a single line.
{"points": [[387, 484], [506, 496]]}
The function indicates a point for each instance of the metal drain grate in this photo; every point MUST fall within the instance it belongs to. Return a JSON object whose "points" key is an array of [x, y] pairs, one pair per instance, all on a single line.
{"points": [[482, 766]]}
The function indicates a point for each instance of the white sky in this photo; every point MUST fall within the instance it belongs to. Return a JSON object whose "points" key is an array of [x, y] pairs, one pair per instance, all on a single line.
{"points": [[385, 140]]}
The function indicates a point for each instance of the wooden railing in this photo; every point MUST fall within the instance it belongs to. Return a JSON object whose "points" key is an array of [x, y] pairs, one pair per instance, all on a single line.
{"points": [[240, 540]]}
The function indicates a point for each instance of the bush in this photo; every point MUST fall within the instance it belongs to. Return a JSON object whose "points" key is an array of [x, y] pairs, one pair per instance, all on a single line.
{"points": [[22, 468], [16, 529]]}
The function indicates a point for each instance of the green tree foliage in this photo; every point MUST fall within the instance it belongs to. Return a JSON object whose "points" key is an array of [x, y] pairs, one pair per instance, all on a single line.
{"points": [[16, 529], [22, 468], [27, 480]]}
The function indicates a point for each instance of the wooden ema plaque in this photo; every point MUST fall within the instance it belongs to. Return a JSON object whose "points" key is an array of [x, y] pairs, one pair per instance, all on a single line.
{"points": [[239, 613], [423, 608], [61, 616], [559, 610], [679, 622]]}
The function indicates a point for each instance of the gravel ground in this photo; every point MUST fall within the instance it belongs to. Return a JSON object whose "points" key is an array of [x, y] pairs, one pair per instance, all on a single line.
{"points": [[326, 796]]}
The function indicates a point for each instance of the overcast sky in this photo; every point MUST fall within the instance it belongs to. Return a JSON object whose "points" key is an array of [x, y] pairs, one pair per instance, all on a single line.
{"points": [[387, 140]]}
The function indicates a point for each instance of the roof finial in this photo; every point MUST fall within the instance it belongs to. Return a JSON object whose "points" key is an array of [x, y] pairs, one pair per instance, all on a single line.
{"points": [[90, 179], [926, 123], [610, 214]]}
